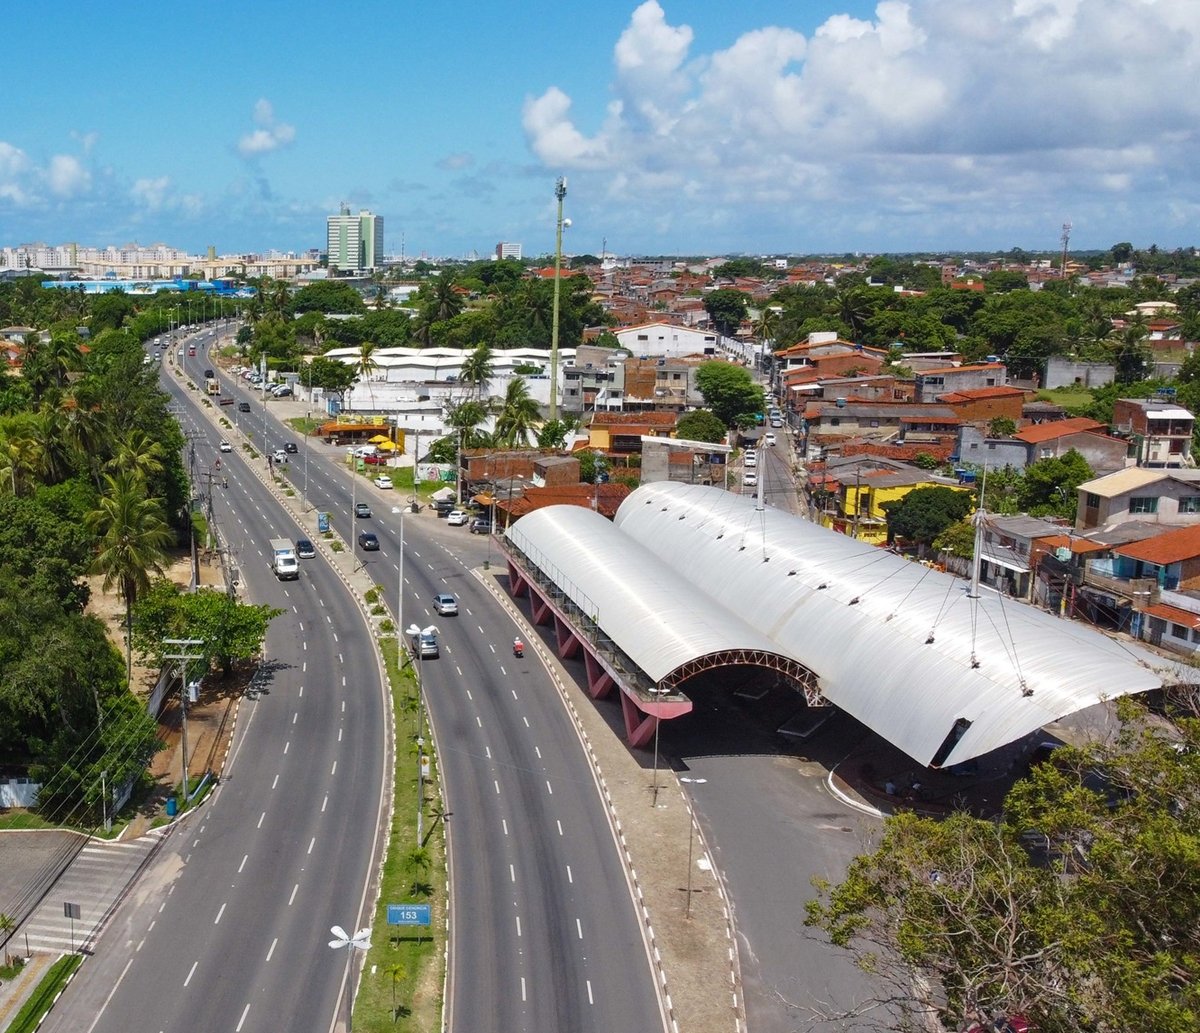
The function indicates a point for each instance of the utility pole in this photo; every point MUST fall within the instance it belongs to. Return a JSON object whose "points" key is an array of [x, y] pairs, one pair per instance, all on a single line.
{"points": [[560, 191], [185, 653]]}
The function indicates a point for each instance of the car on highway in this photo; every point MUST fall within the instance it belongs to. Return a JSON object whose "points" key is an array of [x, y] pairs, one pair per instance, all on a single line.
{"points": [[242, 407], [361, 511], [279, 455], [768, 438], [382, 481], [750, 478], [457, 518], [425, 644], [368, 541], [446, 605], [191, 351], [207, 373], [224, 446], [291, 448], [304, 550], [481, 525]]}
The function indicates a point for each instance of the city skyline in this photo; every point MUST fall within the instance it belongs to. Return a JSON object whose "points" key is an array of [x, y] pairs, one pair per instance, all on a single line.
{"points": [[682, 128]]}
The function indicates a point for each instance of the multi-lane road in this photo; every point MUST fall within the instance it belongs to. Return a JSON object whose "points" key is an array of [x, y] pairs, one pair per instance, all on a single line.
{"points": [[228, 928]]}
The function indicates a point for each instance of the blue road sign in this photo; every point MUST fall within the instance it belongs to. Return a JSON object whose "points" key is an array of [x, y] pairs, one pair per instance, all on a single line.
{"points": [[322, 522], [408, 914]]}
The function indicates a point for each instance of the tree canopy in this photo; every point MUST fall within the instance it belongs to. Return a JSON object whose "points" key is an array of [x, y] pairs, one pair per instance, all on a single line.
{"points": [[701, 425], [730, 393], [726, 308], [924, 513]]}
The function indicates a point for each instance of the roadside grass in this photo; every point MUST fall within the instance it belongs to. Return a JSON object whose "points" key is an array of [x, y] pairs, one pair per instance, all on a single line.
{"points": [[403, 972], [15, 820], [34, 1010]]}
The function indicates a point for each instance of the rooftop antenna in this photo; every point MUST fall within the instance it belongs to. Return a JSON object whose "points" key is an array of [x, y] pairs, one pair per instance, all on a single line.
{"points": [[1066, 240]]}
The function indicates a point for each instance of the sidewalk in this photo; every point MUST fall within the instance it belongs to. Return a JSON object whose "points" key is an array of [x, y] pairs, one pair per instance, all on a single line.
{"points": [[15, 992]]}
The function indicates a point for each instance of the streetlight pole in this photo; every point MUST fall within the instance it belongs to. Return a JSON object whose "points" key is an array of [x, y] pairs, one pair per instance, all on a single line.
{"points": [[304, 497], [560, 191]]}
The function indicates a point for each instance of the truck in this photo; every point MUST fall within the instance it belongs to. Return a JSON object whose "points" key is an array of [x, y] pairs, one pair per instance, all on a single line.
{"points": [[283, 560], [213, 385]]}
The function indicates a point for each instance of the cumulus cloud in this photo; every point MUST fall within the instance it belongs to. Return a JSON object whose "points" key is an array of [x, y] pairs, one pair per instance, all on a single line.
{"points": [[957, 111], [270, 134], [151, 193], [67, 177]]}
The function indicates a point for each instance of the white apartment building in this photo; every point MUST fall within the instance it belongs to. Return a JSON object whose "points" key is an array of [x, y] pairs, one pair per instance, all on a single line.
{"points": [[354, 243]]}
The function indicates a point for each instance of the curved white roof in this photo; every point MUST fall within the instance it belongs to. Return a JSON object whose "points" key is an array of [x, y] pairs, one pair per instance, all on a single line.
{"points": [[688, 570], [654, 614]]}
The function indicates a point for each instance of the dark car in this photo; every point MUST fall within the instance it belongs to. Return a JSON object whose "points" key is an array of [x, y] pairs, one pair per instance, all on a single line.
{"points": [[243, 406], [444, 507], [209, 373], [291, 447], [362, 510], [304, 549], [481, 525], [368, 541]]}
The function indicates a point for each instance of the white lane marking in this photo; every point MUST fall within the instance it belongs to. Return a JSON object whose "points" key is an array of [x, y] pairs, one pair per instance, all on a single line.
{"points": [[261, 817], [522, 988], [272, 950], [295, 890], [339, 735], [334, 771], [243, 864], [579, 928], [286, 745], [503, 671], [526, 720], [477, 721], [191, 972], [496, 783], [458, 669], [480, 629], [504, 825], [514, 692], [302, 687], [312, 844], [549, 787], [492, 646], [518, 926], [217, 920], [512, 874], [591, 1000], [559, 824], [295, 717], [538, 752], [469, 696], [324, 803], [242, 1020], [570, 877]]}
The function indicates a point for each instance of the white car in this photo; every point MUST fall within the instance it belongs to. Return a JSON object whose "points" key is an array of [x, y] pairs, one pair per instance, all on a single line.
{"points": [[225, 446], [383, 481], [768, 438], [750, 479], [750, 459], [280, 456], [457, 518]]}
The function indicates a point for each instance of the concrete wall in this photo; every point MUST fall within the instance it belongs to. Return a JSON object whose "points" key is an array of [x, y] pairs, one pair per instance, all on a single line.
{"points": [[994, 453], [1062, 372]]}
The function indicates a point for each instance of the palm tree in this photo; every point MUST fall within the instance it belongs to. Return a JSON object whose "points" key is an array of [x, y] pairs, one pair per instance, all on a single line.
{"points": [[396, 971], [366, 365], [853, 308], [766, 326], [48, 426], [447, 302], [133, 537], [477, 369], [20, 458], [518, 417], [87, 431], [139, 454]]}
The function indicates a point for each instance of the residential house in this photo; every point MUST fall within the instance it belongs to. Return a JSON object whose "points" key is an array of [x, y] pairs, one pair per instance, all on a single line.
{"points": [[595, 382], [662, 384], [932, 383], [1160, 430], [899, 421], [1013, 548], [850, 492], [667, 340], [619, 435], [689, 462], [983, 404], [1160, 496], [1065, 372]]}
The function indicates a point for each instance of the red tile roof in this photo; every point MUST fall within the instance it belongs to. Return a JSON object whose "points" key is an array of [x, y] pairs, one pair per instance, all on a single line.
{"points": [[976, 394], [1172, 547], [1040, 432], [961, 369], [1175, 615]]}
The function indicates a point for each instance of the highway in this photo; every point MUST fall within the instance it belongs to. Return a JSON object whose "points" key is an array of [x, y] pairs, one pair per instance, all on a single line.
{"points": [[544, 932], [241, 898]]}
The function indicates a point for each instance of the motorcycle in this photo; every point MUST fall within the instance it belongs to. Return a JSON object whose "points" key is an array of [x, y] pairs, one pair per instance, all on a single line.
{"points": [[519, 649]]}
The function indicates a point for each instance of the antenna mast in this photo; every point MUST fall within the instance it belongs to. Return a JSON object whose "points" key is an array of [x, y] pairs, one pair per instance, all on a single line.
{"points": [[1066, 240]]}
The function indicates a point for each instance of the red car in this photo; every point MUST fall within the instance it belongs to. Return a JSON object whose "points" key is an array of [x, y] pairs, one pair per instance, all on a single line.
{"points": [[375, 459], [192, 350]]}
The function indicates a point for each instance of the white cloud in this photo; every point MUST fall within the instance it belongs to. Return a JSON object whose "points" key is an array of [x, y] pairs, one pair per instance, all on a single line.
{"points": [[151, 193], [1009, 109], [454, 162], [67, 177], [270, 134]]}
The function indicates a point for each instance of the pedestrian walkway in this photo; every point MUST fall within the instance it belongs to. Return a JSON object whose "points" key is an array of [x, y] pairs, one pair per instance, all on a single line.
{"points": [[95, 881]]}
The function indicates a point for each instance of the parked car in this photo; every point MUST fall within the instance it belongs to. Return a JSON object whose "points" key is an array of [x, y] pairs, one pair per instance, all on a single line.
{"points": [[446, 605], [375, 459], [383, 481], [457, 518], [361, 510], [481, 525], [750, 459], [291, 448], [368, 541], [750, 478], [224, 446], [305, 549], [443, 507], [282, 391]]}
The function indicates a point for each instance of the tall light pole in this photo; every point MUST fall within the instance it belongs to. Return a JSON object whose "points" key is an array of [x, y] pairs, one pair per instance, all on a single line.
{"points": [[560, 191], [360, 941], [304, 496], [400, 585]]}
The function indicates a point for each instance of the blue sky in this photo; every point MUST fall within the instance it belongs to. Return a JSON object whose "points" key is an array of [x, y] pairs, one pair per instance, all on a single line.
{"points": [[697, 127]]}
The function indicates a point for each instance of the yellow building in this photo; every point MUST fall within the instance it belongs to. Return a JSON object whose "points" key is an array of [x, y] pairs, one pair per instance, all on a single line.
{"points": [[850, 493]]}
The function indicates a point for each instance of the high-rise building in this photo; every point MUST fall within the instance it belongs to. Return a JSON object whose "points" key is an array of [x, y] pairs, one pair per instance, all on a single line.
{"points": [[354, 243], [507, 250]]}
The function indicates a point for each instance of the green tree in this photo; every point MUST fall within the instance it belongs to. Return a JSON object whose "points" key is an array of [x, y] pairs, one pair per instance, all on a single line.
{"points": [[1001, 427], [518, 415], [329, 296], [328, 374], [1079, 906], [1050, 486], [924, 513], [730, 393], [477, 370], [726, 309], [132, 538], [701, 425], [958, 539], [556, 433]]}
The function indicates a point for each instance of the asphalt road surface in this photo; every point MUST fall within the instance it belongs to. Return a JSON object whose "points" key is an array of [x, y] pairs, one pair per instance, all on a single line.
{"points": [[228, 928]]}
